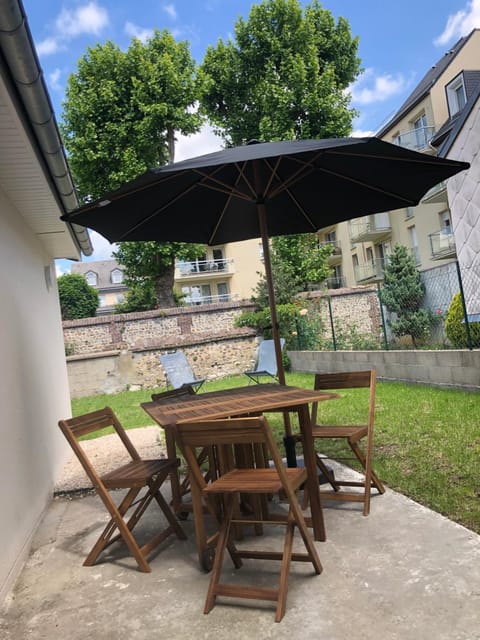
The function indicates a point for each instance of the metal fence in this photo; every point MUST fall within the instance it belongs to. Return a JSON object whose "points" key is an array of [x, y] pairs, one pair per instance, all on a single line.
{"points": [[446, 316]]}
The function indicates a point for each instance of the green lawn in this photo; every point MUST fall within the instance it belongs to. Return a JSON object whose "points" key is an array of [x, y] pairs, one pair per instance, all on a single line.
{"points": [[427, 440]]}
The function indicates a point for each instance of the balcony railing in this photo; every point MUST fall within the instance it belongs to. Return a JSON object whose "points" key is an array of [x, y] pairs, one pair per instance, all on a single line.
{"points": [[204, 267], [416, 139], [372, 271], [191, 300], [335, 282], [336, 255], [442, 245], [370, 228], [437, 194]]}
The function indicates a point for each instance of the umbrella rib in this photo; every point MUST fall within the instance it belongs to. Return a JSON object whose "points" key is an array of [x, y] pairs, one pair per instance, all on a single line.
{"points": [[230, 195], [305, 168], [225, 190], [223, 187]]}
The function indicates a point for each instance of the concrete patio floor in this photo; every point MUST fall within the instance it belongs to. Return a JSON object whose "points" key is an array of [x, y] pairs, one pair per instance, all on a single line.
{"points": [[402, 573]]}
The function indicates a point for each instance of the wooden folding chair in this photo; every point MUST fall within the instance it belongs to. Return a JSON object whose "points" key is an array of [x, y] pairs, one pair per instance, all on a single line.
{"points": [[180, 488], [351, 434], [238, 445], [136, 475]]}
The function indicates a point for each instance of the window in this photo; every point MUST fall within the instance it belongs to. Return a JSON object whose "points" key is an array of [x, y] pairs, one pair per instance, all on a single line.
{"points": [[420, 128], [331, 237], [91, 278], [120, 298], [102, 300], [414, 244], [445, 222], [222, 291], [218, 260], [116, 276], [355, 260], [409, 212], [369, 255], [456, 96]]}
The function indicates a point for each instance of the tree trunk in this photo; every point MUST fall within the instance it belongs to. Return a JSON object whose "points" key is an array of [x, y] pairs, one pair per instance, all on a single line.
{"points": [[171, 143], [164, 286]]}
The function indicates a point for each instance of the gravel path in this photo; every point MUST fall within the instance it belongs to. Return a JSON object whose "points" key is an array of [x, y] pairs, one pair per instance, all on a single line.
{"points": [[107, 452]]}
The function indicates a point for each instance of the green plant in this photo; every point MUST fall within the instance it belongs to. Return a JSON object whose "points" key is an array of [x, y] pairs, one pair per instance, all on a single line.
{"points": [[455, 326], [403, 293], [77, 298]]}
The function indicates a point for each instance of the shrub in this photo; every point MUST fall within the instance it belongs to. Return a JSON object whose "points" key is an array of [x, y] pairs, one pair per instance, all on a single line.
{"points": [[455, 327]]}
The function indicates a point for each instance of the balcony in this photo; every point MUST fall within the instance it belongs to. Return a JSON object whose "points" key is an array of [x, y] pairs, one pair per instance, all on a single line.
{"points": [[198, 299], [372, 228], [335, 282], [336, 256], [442, 245], [204, 269], [416, 139], [370, 272], [437, 194]]}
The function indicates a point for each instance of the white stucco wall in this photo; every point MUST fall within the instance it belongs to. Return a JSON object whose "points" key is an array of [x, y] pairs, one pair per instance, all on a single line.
{"points": [[464, 198], [33, 390]]}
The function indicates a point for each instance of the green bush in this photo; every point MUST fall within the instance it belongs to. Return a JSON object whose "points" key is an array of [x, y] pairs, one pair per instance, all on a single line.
{"points": [[455, 327], [77, 298]]}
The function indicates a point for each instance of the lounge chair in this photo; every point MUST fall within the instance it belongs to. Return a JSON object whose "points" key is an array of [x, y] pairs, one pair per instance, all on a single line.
{"points": [[266, 361], [178, 372]]}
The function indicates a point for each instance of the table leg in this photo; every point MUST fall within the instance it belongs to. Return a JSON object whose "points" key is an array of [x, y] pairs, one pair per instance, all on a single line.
{"points": [[316, 510], [174, 476]]}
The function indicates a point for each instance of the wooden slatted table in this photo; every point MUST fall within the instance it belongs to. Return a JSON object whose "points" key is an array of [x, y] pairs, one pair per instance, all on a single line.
{"points": [[260, 398]]}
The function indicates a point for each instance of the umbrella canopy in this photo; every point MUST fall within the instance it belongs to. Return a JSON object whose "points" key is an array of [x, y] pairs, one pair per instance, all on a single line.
{"points": [[263, 190]]}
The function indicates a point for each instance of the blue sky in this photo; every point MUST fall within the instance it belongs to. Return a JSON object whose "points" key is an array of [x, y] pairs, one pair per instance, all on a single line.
{"points": [[399, 41]]}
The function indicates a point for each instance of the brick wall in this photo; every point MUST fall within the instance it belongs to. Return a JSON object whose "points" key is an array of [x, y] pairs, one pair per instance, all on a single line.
{"points": [[118, 352]]}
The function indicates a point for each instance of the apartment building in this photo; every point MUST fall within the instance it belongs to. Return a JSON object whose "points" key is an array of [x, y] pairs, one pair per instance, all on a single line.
{"points": [[421, 123], [107, 277], [222, 274]]}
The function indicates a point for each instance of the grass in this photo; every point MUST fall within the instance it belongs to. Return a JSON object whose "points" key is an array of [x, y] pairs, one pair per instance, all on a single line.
{"points": [[427, 440]]}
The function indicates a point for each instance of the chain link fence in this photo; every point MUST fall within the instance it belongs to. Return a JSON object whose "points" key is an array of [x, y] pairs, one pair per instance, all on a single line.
{"points": [[443, 313]]}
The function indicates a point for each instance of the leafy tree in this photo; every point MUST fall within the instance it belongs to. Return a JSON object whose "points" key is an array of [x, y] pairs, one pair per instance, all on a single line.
{"points": [[305, 259], [403, 293], [150, 266], [283, 76], [120, 117], [77, 298], [140, 297], [297, 261]]}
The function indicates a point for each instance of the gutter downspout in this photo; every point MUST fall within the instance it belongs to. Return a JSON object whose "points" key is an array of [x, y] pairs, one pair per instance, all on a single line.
{"points": [[16, 44]]}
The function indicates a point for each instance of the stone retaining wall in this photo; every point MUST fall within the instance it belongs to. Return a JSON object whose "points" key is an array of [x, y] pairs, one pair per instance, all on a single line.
{"points": [[119, 352]]}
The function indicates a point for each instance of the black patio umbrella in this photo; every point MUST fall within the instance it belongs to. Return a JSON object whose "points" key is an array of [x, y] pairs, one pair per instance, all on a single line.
{"points": [[265, 189]]}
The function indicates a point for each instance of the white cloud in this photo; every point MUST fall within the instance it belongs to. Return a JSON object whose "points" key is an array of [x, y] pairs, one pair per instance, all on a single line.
{"points": [[48, 46], [89, 18], [197, 145], [170, 10], [54, 79], [360, 133], [134, 31], [102, 249], [460, 24], [378, 88]]}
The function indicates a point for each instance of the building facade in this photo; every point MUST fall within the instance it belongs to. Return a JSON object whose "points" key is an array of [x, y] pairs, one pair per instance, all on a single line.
{"points": [[226, 273], [362, 245]]}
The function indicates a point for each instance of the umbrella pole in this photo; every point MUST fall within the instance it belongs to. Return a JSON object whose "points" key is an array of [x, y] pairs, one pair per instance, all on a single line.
{"points": [[288, 440]]}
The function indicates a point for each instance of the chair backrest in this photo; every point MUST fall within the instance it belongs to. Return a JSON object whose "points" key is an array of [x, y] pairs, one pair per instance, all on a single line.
{"points": [[347, 380], [173, 393], [236, 443], [267, 360], [92, 422], [177, 369]]}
